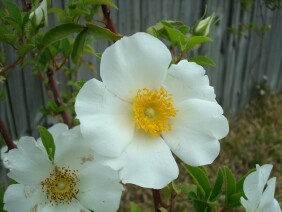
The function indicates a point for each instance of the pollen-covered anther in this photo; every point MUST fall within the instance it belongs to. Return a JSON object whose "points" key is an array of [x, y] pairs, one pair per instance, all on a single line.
{"points": [[153, 110], [60, 186]]}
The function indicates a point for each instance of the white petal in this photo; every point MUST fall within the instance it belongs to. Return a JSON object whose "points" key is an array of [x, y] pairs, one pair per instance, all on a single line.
{"points": [[105, 120], [133, 63], [267, 201], [255, 182], [28, 163], [20, 197], [147, 162], [187, 80], [193, 148], [74, 206], [72, 150], [247, 205], [195, 131], [99, 188], [58, 129], [201, 116]]}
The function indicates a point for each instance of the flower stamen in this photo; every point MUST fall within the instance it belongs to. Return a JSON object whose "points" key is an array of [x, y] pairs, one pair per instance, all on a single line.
{"points": [[153, 110], [60, 186]]}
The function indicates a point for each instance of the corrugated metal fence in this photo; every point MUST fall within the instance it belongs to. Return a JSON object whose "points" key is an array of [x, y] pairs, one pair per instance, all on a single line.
{"points": [[242, 60]]}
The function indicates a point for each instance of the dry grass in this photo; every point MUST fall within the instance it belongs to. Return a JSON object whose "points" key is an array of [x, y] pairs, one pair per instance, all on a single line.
{"points": [[255, 138]]}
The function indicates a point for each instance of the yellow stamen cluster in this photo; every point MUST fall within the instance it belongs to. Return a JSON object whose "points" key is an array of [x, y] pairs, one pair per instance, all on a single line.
{"points": [[60, 186], [153, 110]]}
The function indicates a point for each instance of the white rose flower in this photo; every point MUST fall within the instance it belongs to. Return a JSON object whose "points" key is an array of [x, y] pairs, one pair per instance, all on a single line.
{"points": [[74, 182], [145, 109], [40, 13], [259, 197]]}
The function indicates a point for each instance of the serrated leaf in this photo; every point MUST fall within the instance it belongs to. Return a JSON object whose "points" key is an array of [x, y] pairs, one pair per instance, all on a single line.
{"points": [[230, 184], [103, 33], [203, 61], [217, 186], [134, 207], [196, 40], [60, 32], [200, 178], [48, 142], [78, 46]]}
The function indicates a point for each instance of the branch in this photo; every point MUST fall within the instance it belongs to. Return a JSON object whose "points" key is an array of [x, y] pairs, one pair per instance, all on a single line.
{"points": [[55, 90], [12, 65], [7, 138], [157, 199], [108, 20]]}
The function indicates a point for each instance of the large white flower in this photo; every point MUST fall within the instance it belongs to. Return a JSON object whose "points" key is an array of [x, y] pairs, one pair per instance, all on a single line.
{"points": [[74, 182], [145, 109], [259, 198]]}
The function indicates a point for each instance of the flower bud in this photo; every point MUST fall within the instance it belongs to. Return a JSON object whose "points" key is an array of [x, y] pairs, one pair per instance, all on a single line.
{"points": [[203, 26], [39, 15]]}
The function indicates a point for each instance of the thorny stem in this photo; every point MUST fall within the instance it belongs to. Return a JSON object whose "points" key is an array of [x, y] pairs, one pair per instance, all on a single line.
{"points": [[108, 20], [7, 138], [157, 199], [55, 90]]}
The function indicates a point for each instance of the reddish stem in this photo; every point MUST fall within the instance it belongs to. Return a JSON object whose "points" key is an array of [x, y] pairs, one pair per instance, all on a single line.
{"points": [[157, 199], [108, 20], [58, 99], [7, 138], [26, 6]]}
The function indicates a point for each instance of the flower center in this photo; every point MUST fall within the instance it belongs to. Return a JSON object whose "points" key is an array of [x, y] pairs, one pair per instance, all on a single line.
{"points": [[153, 110], [60, 186]]}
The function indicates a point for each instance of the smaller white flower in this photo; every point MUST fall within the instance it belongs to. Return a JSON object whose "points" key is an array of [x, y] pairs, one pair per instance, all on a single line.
{"points": [[74, 182], [259, 197], [40, 14]]}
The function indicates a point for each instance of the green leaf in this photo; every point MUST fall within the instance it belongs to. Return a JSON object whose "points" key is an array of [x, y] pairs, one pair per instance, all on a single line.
{"points": [[78, 46], [202, 60], [100, 2], [2, 191], [175, 36], [48, 142], [234, 200], [217, 186], [14, 11], [2, 94], [200, 205], [196, 40], [230, 184], [163, 209], [13, 23], [25, 48], [200, 178], [103, 33], [134, 207], [60, 32]]}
